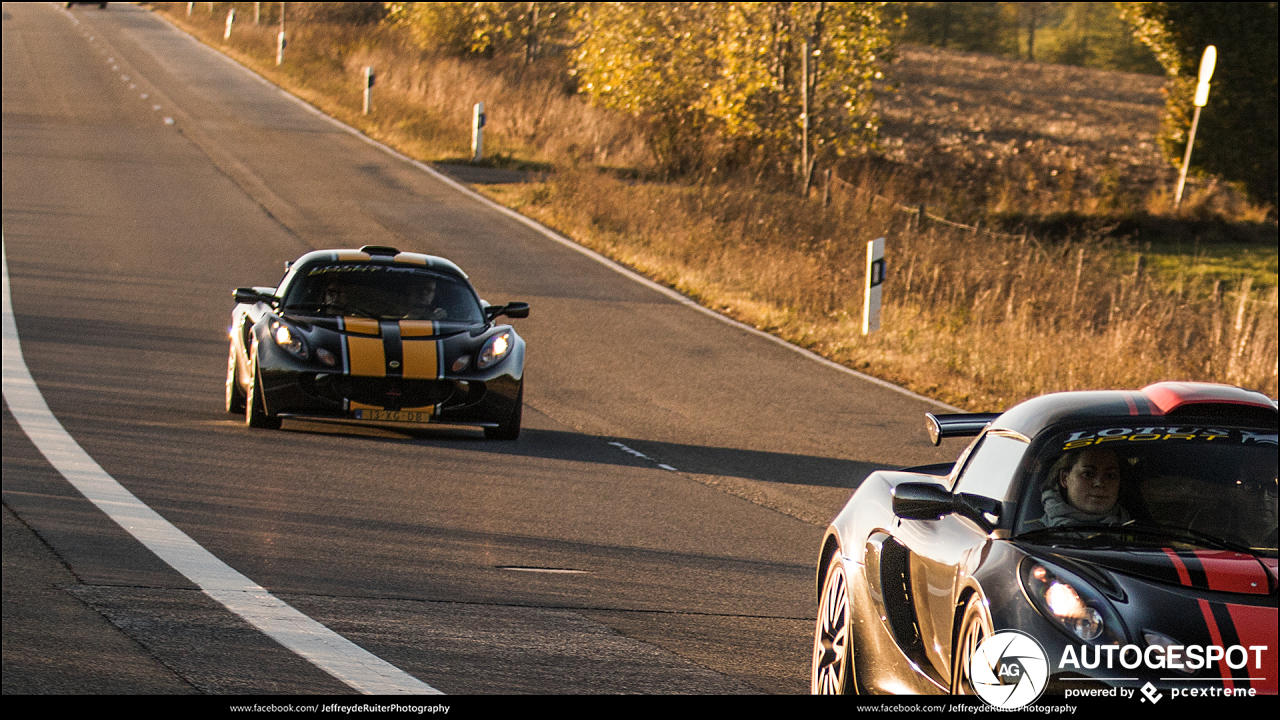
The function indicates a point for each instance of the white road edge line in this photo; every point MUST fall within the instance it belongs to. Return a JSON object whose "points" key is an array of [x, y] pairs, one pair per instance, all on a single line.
{"points": [[557, 237], [327, 650]]}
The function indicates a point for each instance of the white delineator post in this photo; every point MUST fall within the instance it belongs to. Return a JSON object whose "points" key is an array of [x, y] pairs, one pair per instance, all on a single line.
{"points": [[1207, 61], [477, 132], [231, 18], [280, 42], [871, 293], [369, 79]]}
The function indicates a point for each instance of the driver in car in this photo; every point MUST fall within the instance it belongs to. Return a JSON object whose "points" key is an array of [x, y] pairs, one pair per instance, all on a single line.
{"points": [[334, 297], [1083, 488], [422, 304]]}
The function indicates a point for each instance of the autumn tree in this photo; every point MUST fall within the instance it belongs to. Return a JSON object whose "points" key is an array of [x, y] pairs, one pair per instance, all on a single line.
{"points": [[726, 82], [987, 27], [1237, 136], [652, 61], [1077, 33], [485, 28]]}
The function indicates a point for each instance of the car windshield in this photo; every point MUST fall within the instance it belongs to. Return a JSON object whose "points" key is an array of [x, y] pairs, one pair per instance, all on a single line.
{"points": [[1168, 485], [382, 292]]}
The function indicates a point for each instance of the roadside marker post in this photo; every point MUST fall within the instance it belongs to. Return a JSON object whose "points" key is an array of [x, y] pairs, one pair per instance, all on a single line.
{"points": [[280, 41], [231, 18], [871, 293], [369, 79], [477, 132], [1207, 61]]}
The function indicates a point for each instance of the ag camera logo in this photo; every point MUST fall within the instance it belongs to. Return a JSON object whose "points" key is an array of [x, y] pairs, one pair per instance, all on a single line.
{"points": [[1009, 670]]}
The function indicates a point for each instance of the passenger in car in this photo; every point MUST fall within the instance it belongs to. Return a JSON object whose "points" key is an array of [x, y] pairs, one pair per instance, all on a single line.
{"points": [[1083, 488]]}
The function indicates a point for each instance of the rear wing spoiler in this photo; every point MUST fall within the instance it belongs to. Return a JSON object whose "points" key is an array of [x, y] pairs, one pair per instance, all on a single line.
{"points": [[957, 425]]}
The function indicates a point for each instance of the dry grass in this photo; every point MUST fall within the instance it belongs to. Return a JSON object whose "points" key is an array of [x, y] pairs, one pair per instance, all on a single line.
{"points": [[977, 322], [977, 319]]}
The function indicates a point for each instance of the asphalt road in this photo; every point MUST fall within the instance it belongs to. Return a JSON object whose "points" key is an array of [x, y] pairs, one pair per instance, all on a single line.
{"points": [[145, 176]]}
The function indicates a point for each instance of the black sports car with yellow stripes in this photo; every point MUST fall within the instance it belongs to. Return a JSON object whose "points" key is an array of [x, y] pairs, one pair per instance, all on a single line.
{"points": [[377, 335], [1131, 534]]}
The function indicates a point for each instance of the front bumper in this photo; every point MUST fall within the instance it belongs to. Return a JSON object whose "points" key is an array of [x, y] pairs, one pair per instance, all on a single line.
{"points": [[293, 388]]}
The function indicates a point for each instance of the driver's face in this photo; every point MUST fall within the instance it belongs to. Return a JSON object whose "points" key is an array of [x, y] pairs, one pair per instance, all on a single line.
{"points": [[333, 295], [1093, 483]]}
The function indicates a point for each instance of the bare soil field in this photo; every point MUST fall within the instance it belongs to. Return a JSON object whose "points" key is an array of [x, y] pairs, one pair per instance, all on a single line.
{"points": [[982, 111]]}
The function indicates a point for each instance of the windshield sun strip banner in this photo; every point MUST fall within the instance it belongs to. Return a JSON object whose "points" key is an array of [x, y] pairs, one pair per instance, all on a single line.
{"points": [[1164, 433]]}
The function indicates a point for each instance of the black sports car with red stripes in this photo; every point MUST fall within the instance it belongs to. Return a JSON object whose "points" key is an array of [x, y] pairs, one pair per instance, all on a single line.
{"points": [[376, 335], [1132, 534]]}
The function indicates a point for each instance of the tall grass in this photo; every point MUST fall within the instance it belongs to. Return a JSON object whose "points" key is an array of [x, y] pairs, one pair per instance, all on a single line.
{"points": [[975, 318]]}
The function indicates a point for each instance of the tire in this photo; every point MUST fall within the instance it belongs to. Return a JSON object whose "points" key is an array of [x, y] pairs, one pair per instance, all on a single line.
{"points": [[832, 671], [510, 428], [235, 393], [255, 408], [974, 629]]}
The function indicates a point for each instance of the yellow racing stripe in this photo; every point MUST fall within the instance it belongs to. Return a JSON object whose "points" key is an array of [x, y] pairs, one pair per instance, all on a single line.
{"points": [[421, 357], [365, 355]]}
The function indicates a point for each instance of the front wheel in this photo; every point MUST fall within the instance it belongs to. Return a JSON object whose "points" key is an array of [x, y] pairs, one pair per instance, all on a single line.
{"points": [[255, 408], [974, 629], [235, 393], [832, 670], [510, 428]]}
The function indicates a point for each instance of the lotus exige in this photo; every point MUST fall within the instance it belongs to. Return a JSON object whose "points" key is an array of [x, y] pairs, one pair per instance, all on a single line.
{"points": [[1132, 534], [375, 334]]}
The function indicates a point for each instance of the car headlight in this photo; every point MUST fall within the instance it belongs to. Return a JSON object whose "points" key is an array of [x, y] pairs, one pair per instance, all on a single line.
{"points": [[289, 339], [495, 348], [1071, 603]]}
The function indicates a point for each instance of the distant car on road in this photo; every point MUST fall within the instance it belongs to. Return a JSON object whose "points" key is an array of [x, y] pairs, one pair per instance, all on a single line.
{"points": [[377, 335], [1132, 534]]}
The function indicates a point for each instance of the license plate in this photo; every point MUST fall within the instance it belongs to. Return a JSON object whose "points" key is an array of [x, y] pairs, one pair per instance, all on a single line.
{"points": [[394, 416]]}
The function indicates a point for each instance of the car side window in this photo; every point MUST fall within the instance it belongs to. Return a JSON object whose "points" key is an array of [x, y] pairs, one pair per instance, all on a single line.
{"points": [[991, 467]]}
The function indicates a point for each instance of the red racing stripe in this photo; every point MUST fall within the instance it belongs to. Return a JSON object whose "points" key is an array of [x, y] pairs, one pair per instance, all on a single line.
{"points": [[1133, 406], [1184, 577], [1257, 626], [1216, 635], [1233, 572]]}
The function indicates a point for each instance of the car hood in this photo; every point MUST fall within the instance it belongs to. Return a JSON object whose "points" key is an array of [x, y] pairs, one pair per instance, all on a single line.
{"points": [[1216, 570]]}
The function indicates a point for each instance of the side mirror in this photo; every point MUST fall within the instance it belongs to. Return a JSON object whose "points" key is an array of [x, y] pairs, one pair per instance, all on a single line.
{"points": [[511, 310], [927, 501], [921, 501], [249, 296]]}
